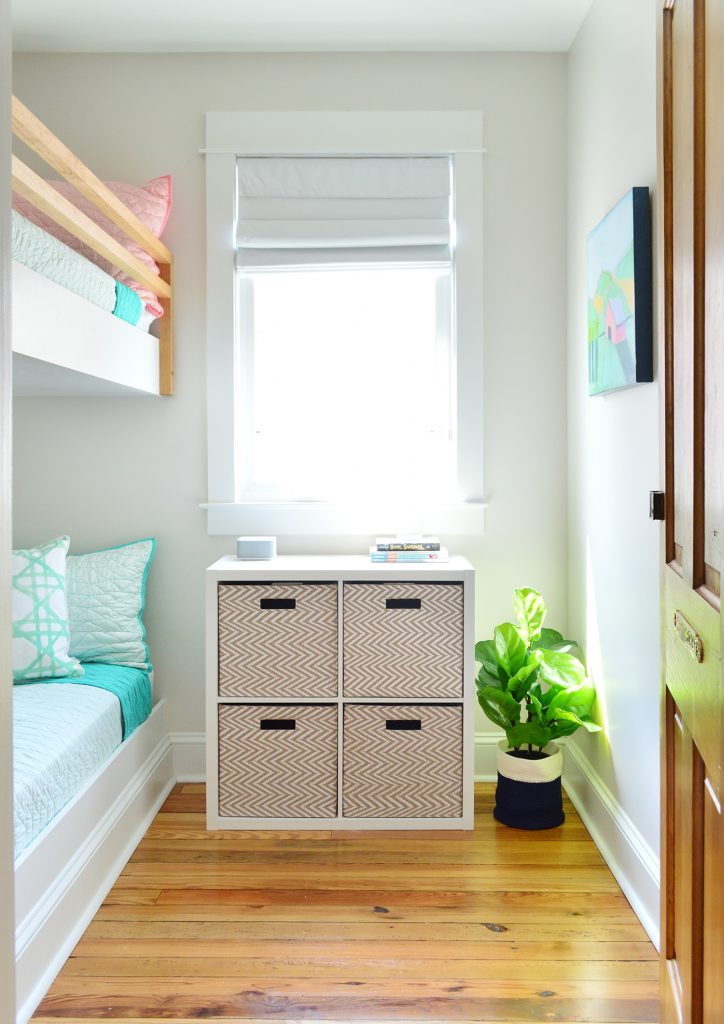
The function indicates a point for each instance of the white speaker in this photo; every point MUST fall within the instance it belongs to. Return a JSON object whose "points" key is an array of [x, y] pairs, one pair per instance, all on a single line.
{"points": [[256, 548]]}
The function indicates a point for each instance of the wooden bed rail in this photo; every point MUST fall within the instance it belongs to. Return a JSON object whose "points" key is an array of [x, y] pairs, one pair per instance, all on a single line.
{"points": [[49, 201]]}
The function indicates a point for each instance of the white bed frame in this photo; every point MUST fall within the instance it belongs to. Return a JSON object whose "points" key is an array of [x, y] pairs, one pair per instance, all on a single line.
{"points": [[64, 344], [65, 874]]}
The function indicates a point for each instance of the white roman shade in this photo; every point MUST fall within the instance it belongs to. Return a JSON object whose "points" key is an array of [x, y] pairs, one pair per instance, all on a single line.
{"points": [[317, 210]]}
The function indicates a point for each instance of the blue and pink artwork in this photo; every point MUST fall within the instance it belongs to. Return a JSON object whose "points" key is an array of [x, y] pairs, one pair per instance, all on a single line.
{"points": [[620, 332]]}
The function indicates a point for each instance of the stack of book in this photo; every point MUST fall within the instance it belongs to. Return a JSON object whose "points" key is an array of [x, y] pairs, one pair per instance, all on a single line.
{"points": [[408, 549]]}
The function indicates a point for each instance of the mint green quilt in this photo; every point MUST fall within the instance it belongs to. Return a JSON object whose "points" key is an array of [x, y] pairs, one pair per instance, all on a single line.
{"points": [[130, 685]]}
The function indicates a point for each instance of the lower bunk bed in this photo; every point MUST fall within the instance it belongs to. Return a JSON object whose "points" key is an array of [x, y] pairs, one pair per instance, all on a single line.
{"points": [[93, 764]]}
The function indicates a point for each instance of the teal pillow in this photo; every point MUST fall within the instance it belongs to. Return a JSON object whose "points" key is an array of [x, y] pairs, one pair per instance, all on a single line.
{"points": [[106, 595], [40, 613]]}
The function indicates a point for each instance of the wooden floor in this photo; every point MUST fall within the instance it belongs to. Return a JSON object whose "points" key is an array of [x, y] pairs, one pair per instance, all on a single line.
{"points": [[494, 925]]}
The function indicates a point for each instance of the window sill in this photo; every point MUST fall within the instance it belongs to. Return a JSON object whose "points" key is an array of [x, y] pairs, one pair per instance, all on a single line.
{"points": [[320, 518]]}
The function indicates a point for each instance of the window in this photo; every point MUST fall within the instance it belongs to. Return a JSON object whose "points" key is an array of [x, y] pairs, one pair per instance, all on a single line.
{"points": [[344, 374], [344, 387], [343, 329]]}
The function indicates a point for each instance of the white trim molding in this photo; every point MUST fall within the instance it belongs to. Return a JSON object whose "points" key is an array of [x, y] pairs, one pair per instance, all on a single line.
{"points": [[189, 756], [486, 753], [635, 866], [313, 518]]}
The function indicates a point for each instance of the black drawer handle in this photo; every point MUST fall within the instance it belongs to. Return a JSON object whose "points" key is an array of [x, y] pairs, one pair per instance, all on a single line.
{"points": [[403, 602], [278, 723], [277, 602], [406, 724]]}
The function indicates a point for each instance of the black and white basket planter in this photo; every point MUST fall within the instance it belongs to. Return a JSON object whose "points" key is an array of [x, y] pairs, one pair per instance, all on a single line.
{"points": [[528, 794]]}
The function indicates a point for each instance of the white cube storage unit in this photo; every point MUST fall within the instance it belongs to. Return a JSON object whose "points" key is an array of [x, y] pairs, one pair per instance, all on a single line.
{"points": [[340, 694]]}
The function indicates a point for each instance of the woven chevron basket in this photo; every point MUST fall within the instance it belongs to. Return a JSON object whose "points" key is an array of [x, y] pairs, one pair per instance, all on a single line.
{"points": [[277, 761], [403, 640], [402, 761], [278, 640]]}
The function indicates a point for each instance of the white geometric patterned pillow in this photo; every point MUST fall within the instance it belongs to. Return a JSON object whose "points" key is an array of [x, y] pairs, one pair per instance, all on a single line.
{"points": [[40, 613]]}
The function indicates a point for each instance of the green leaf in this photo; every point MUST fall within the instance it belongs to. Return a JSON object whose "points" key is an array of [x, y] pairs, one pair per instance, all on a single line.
{"points": [[535, 709], [528, 733], [561, 728], [560, 669], [485, 679], [499, 706], [544, 696], [579, 700], [567, 722], [530, 610], [552, 640], [510, 648], [520, 683], [485, 654]]}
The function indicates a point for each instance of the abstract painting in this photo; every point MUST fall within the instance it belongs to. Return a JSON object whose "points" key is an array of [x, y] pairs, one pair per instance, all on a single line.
{"points": [[620, 331]]}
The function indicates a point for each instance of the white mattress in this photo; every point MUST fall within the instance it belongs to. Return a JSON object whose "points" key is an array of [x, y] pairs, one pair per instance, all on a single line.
{"points": [[63, 732]]}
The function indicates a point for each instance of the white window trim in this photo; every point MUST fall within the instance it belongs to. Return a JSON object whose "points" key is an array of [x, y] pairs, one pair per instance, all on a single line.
{"points": [[336, 133]]}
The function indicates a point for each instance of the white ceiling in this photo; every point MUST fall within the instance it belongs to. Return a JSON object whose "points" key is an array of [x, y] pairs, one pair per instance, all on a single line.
{"points": [[73, 26]]}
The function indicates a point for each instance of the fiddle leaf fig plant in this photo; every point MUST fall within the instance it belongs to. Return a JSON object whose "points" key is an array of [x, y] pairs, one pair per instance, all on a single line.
{"points": [[529, 683]]}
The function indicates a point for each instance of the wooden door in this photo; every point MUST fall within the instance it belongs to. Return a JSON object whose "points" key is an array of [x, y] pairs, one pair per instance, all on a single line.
{"points": [[691, 287]]}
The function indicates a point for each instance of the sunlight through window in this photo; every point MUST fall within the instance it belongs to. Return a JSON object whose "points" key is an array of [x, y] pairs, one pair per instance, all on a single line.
{"points": [[346, 378]]}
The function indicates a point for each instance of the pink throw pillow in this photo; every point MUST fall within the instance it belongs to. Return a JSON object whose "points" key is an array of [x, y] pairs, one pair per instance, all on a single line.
{"points": [[151, 203]]}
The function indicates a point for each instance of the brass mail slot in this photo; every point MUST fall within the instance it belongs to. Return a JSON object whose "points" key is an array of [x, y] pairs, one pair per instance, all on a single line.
{"points": [[689, 637]]}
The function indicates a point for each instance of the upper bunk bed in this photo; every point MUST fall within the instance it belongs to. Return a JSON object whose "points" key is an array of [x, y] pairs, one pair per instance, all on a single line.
{"points": [[63, 343]]}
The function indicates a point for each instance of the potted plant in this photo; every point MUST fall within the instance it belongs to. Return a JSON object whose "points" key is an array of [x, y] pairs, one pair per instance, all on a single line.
{"points": [[531, 686]]}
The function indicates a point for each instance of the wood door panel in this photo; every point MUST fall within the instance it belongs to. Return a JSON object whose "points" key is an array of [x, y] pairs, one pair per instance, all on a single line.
{"points": [[695, 686], [713, 951], [691, 279], [680, 970], [714, 287], [682, 183]]}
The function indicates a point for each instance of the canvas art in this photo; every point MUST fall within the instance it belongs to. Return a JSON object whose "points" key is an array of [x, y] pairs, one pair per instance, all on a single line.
{"points": [[620, 342]]}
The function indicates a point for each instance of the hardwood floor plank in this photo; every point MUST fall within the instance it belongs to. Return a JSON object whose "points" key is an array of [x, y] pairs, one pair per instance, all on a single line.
{"points": [[429, 901], [187, 852], [365, 968], [132, 897], [351, 949], [164, 925], [568, 879]]}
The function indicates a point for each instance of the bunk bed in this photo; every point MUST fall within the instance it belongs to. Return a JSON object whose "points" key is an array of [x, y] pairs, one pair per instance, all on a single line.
{"points": [[64, 344]]}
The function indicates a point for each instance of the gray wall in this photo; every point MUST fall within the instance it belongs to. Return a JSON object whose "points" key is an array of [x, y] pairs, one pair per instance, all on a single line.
{"points": [[110, 471], [613, 440]]}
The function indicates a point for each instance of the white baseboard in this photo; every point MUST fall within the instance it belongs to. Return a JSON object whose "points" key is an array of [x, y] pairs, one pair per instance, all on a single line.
{"points": [[634, 864], [189, 756], [486, 765], [66, 873]]}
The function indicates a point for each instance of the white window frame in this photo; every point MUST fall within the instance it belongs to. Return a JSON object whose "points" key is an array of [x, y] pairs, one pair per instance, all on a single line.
{"points": [[334, 133]]}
